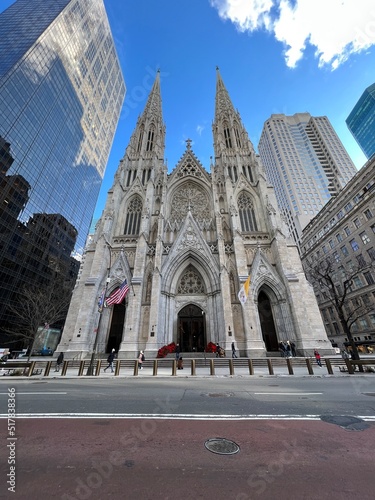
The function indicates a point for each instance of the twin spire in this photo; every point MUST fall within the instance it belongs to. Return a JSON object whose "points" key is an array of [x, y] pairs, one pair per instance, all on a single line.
{"points": [[149, 136]]}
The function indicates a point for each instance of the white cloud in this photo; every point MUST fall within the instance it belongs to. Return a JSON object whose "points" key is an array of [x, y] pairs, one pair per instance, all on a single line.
{"points": [[336, 28], [200, 129]]}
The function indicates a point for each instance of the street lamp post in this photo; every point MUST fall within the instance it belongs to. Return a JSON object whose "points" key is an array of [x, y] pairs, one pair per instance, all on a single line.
{"points": [[90, 369]]}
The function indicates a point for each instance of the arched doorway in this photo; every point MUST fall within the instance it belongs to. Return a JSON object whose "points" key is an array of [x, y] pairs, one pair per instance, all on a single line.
{"points": [[117, 327], [266, 322], [191, 329]]}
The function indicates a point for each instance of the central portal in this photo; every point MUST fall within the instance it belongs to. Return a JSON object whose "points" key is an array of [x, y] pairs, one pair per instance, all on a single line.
{"points": [[191, 331]]}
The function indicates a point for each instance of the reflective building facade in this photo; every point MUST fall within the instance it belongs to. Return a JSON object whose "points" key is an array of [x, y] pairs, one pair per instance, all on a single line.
{"points": [[61, 94], [361, 121]]}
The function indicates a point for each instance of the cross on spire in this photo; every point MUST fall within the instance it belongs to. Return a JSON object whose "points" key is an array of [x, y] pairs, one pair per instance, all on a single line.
{"points": [[188, 144]]}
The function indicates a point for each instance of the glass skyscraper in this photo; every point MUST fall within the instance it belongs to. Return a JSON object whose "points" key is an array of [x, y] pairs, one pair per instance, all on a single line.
{"points": [[361, 121], [61, 94]]}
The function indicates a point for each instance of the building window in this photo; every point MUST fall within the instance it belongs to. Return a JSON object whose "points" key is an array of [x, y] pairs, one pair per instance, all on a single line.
{"points": [[336, 256], [357, 281], [228, 140], [368, 214], [373, 228], [372, 318], [361, 260], [364, 238], [363, 323], [369, 278], [133, 217], [357, 222], [246, 212], [331, 243], [354, 245], [344, 251], [347, 230], [150, 139], [371, 253], [338, 237]]}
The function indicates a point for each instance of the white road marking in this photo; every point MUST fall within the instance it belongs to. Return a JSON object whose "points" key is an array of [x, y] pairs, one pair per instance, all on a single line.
{"points": [[288, 393], [34, 393], [173, 416]]}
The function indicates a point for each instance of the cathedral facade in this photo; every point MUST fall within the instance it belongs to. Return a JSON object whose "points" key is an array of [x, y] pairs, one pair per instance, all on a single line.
{"points": [[186, 242]]}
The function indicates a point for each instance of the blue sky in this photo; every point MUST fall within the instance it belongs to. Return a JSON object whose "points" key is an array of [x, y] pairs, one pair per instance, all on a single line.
{"points": [[275, 56]]}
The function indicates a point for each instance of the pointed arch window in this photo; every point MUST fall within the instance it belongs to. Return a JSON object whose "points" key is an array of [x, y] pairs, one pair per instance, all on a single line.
{"points": [[150, 139], [140, 140], [133, 217], [228, 140], [237, 136], [246, 213]]}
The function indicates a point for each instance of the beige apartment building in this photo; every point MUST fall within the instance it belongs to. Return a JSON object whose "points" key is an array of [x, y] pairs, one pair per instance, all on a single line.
{"points": [[344, 232]]}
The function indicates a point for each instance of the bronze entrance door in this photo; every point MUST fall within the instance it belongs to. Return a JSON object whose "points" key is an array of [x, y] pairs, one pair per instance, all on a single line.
{"points": [[191, 329]]}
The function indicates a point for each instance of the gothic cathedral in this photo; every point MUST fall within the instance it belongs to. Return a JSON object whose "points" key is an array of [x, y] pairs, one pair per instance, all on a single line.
{"points": [[186, 242]]}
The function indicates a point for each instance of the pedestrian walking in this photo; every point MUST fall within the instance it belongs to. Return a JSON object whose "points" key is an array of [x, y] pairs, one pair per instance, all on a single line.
{"points": [[141, 358], [177, 351], [282, 349], [288, 349], [317, 357], [234, 355], [110, 360], [218, 348], [345, 354], [59, 361], [180, 363], [293, 346]]}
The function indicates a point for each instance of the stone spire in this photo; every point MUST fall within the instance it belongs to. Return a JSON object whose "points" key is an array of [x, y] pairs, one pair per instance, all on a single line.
{"points": [[148, 139], [230, 136]]}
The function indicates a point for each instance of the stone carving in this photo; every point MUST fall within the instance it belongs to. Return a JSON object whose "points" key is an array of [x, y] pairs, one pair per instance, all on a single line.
{"points": [[190, 197], [190, 239]]}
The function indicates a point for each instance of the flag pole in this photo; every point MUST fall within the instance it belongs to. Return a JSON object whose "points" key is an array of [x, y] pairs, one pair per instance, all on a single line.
{"points": [[131, 274], [90, 369]]}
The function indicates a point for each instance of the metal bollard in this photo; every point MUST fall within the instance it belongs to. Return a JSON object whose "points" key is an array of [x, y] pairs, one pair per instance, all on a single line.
{"points": [[193, 366], [251, 367], [64, 368], [270, 367], [136, 363], [329, 366], [155, 368], [290, 366], [81, 368], [231, 367], [48, 368], [212, 367], [349, 366], [98, 365], [309, 366], [31, 369], [174, 368], [117, 368]]}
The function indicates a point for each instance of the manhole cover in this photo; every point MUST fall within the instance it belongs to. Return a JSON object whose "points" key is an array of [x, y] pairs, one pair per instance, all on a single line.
{"points": [[222, 446], [346, 422]]}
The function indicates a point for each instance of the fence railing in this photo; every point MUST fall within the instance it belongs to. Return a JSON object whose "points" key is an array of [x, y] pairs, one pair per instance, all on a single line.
{"points": [[194, 367]]}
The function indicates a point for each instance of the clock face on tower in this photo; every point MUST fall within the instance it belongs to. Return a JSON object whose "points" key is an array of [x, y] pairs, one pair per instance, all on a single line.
{"points": [[190, 197]]}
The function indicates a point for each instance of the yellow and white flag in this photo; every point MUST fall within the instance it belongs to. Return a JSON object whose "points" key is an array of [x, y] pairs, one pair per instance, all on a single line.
{"points": [[244, 291]]}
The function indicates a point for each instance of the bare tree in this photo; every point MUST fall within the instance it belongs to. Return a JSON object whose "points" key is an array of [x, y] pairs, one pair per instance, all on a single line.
{"points": [[37, 306], [335, 283]]}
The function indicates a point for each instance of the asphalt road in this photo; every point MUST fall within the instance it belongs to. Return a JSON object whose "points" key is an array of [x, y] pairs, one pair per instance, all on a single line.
{"points": [[292, 438]]}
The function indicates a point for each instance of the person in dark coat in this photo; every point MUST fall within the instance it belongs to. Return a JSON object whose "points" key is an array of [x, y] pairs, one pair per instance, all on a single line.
{"points": [[110, 360], [234, 355], [282, 349], [59, 361], [293, 346], [217, 350], [177, 351]]}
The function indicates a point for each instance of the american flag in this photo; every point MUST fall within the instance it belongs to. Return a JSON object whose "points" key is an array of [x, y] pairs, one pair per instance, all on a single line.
{"points": [[118, 295]]}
